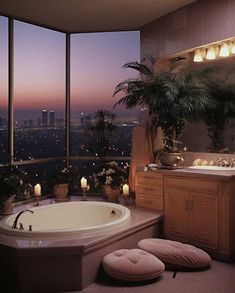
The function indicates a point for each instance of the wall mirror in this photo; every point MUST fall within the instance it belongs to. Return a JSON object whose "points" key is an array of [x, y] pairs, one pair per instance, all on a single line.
{"points": [[196, 137]]}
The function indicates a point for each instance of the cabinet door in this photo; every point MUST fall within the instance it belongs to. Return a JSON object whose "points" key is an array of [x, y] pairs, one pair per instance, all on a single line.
{"points": [[204, 219], [177, 214]]}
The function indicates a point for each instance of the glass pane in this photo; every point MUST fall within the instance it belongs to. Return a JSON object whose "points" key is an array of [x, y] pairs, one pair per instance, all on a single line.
{"points": [[3, 89], [39, 101], [96, 68]]}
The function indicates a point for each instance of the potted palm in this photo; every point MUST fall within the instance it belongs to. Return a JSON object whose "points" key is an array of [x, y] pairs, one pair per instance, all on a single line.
{"points": [[172, 99]]}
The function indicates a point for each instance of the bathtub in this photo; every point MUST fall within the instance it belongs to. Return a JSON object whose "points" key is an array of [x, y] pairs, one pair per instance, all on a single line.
{"points": [[63, 219]]}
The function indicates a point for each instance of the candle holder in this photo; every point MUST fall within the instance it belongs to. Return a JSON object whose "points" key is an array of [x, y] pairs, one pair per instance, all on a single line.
{"points": [[84, 198], [37, 200]]}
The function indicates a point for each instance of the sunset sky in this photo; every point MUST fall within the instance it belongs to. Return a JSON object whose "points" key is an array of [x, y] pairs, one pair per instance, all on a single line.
{"points": [[96, 61]]}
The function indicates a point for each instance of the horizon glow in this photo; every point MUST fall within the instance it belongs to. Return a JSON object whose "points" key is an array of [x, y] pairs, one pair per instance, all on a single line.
{"points": [[39, 69]]}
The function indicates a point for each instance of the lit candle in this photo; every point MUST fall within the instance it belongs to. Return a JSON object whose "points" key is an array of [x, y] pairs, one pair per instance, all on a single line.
{"points": [[37, 190], [125, 189], [84, 183]]}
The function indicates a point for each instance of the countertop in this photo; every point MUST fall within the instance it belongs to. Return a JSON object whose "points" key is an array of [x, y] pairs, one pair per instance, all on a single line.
{"points": [[224, 175]]}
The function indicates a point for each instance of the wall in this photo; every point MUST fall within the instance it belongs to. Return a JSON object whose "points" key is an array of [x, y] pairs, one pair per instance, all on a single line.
{"points": [[200, 23]]}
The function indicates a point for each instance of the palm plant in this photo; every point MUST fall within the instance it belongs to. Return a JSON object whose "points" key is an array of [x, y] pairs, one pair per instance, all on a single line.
{"points": [[103, 130], [173, 99]]}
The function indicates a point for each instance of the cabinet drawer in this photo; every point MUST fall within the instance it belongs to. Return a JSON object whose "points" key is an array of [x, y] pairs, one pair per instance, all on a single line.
{"points": [[152, 190], [192, 183], [149, 202]]}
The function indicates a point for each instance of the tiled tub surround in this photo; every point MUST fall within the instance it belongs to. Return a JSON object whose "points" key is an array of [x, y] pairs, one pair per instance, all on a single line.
{"points": [[67, 263]]}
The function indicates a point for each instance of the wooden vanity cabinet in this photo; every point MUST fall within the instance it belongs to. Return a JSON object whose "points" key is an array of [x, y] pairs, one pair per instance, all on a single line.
{"points": [[199, 211], [149, 190], [191, 216]]}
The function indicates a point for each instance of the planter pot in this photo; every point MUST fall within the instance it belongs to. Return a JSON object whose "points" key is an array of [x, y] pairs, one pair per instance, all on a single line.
{"points": [[60, 192], [171, 159], [112, 193], [8, 205]]}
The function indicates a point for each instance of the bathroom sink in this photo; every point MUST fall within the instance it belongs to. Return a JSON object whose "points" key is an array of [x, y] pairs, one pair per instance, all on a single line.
{"points": [[212, 168]]}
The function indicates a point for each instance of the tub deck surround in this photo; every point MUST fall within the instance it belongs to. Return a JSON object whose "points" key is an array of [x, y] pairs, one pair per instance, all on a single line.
{"points": [[68, 263]]}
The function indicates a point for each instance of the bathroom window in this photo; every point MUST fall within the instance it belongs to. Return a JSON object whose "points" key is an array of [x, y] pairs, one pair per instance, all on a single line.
{"points": [[39, 93], [96, 68], [3, 89]]}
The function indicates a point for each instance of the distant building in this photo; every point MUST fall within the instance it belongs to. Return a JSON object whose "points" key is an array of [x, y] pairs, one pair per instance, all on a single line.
{"points": [[28, 123], [3, 123], [60, 122], [39, 122], [44, 118], [52, 119]]}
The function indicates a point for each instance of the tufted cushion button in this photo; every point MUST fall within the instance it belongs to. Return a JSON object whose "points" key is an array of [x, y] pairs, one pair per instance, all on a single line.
{"points": [[132, 265], [176, 253]]}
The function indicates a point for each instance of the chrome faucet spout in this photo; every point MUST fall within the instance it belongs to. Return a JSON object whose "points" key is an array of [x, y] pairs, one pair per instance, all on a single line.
{"points": [[14, 226]]}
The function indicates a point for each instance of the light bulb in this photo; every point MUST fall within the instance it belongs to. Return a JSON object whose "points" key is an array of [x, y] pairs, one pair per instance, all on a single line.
{"points": [[224, 51], [210, 54], [233, 48], [197, 56]]}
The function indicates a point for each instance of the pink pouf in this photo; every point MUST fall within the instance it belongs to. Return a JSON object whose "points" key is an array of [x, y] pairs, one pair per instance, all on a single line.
{"points": [[176, 253], [132, 265]]}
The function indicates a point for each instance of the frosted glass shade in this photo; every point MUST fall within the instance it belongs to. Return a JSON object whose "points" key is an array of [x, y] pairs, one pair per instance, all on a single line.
{"points": [[197, 56], [210, 54], [224, 51]]}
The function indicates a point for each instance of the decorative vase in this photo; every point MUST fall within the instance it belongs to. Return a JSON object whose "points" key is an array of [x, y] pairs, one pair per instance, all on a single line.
{"points": [[60, 192], [171, 159], [8, 205], [112, 193]]}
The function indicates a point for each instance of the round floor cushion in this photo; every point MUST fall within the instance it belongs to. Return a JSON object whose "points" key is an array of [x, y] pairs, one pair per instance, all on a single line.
{"points": [[132, 265], [176, 253]]}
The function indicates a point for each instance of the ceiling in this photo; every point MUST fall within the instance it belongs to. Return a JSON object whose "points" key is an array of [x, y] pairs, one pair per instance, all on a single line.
{"points": [[90, 15]]}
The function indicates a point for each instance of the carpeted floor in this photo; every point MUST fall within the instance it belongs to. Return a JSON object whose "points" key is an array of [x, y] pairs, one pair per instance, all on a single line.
{"points": [[219, 278]]}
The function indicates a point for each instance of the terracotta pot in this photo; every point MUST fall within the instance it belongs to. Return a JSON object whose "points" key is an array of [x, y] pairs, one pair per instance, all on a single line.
{"points": [[171, 159], [8, 205], [60, 191], [112, 193]]}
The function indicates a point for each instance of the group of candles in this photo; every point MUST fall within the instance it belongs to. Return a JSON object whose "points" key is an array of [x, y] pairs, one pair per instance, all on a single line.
{"points": [[84, 185]]}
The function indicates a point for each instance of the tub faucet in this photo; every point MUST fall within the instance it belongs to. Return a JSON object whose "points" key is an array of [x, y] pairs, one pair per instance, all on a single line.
{"points": [[14, 226]]}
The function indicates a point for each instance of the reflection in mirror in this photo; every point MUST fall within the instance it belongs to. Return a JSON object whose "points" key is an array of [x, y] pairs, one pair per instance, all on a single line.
{"points": [[217, 135]]}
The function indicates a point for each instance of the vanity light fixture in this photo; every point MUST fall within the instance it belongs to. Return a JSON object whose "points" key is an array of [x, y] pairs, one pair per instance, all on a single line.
{"points": [[210, 53], [224, 50]]}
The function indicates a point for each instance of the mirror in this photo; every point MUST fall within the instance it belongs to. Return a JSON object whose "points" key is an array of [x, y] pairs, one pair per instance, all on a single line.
{"points": [[196, 137]]}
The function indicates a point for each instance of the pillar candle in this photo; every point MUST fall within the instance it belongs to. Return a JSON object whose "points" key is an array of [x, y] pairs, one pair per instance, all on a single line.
{"points": [[125, 189], [37, 190], [84, 183]]}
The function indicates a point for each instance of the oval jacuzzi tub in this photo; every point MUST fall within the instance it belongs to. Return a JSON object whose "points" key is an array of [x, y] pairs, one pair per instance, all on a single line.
{"points": [[73, 218]]}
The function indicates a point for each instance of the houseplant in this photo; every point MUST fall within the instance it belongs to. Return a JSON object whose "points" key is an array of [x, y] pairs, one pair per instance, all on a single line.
{"points": [[111, 177], [62, 179], [172, 99], [13, 183]]}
